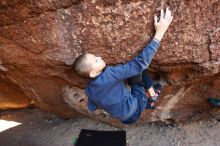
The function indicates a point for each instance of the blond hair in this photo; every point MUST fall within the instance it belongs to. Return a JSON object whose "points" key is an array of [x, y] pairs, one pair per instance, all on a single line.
{"points": [[81, 66]]}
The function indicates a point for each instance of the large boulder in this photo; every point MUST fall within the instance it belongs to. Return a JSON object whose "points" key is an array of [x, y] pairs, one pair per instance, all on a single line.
{"points": [[40, 39]]}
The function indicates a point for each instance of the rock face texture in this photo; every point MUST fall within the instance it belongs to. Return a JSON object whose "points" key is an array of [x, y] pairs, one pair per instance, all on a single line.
{"points": [[40, 39]]}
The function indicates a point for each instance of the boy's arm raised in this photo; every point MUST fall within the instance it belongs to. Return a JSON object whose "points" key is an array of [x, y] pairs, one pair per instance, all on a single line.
{"points": [[143, 60], [162, 26], [137, 65]]}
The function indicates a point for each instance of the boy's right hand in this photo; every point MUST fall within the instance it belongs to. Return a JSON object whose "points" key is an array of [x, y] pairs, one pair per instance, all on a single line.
{"points": [[163, 24]]}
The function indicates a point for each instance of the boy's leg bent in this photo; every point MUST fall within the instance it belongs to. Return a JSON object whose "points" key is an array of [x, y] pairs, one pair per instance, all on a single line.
{"points": [[138, 91], [147, 79], [136, 80], [135, 117], [143, 79]]}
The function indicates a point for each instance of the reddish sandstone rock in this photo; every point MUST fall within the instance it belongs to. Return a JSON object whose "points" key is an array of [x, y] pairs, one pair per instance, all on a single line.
{"points": [[39, 41], [12, 96]]}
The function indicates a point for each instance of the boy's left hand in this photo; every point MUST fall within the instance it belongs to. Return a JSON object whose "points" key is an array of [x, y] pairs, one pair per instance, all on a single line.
{"points": [[163, 24]]}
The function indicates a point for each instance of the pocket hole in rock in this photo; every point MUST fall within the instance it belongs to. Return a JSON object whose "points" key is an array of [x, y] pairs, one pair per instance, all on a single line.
{"points": [[75, 95], [81, 100]]}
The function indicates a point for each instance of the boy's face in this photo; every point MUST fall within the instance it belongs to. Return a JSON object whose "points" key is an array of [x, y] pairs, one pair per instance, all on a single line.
{"points": [[97, 63]]}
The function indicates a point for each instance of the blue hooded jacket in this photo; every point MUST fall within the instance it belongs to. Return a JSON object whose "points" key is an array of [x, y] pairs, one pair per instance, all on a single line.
{"points": [[108, 90]]}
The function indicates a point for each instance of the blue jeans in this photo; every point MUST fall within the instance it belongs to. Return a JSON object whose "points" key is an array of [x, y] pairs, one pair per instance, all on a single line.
{"points": [[138, 91]]}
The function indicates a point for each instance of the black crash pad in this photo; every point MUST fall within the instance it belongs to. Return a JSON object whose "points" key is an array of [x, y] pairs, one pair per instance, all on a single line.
{"points": [[101, 138]]}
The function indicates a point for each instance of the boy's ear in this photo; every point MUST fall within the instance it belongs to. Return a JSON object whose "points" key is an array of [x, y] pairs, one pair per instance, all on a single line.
{"points": [[92, 74]]}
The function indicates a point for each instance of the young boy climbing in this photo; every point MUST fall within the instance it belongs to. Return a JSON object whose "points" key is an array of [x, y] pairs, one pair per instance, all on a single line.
{"points": [[107, 90]]}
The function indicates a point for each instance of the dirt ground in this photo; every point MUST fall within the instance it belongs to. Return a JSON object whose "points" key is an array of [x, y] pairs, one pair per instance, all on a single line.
{"points": [[39, 128]]}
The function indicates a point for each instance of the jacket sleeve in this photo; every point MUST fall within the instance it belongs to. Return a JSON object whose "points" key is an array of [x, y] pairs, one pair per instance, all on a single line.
{"points": [[91, 105], [137, 65]]}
